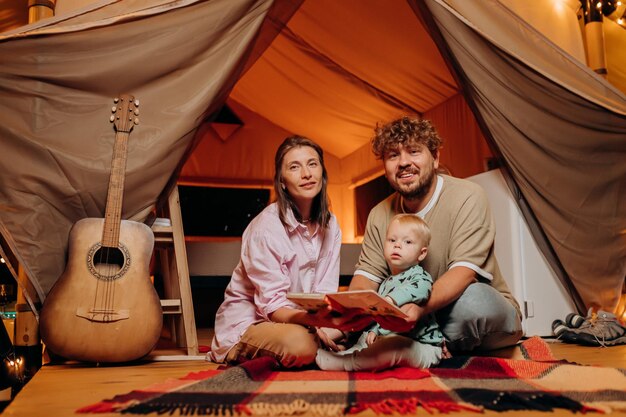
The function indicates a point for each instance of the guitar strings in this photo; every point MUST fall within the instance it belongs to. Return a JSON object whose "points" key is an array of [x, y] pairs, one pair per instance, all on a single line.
{"points": [[120, 150], [110, 246], [121, 146]]}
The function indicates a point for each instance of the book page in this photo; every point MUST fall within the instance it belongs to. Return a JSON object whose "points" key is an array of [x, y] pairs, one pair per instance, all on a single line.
{"points": [[310, 302], [367, 301]]}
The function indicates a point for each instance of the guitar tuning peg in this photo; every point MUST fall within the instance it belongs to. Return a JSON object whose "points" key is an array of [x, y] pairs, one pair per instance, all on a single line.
{"points": [[136, 102], [113, 109], [136, 120], [136, 112], [112, 118], [116, 99]]}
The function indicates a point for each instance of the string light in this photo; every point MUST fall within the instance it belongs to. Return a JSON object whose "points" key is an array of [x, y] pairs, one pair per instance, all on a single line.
{"points": [[15, 366], [595, 10]]}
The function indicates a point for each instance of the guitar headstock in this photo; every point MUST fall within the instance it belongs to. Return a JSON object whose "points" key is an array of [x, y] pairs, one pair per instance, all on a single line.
{"points": [[126, 113]]}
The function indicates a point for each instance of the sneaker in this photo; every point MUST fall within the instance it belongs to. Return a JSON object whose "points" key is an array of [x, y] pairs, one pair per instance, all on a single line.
{"points": [[574, 320], [559, 327], [597, 329]]}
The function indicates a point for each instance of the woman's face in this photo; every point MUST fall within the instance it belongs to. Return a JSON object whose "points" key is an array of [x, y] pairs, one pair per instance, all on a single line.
{"points": [[302, 174]]}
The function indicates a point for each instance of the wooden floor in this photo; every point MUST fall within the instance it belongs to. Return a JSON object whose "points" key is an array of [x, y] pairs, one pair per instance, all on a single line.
{"points": [[58, 390]]}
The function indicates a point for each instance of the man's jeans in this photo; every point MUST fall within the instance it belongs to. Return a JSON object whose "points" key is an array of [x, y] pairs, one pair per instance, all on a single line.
{"points": [[480, 319]]}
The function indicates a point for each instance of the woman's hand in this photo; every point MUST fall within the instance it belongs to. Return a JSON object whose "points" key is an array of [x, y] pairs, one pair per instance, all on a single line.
{"points": [[348, 320]]}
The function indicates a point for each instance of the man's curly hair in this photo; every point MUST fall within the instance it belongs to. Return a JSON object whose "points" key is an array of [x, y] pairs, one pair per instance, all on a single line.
{"points": [[403, 131]]}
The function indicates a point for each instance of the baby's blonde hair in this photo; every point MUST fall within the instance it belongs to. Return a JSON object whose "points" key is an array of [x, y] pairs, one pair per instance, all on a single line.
{"points": [[416, 222]]}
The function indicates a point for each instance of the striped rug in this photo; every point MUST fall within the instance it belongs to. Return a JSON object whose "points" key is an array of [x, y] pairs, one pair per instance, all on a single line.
{"points": [[475, 383]]}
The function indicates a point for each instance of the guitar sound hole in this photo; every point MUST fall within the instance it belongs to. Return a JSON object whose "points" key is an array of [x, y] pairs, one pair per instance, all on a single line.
{"points": [[108, 263]]}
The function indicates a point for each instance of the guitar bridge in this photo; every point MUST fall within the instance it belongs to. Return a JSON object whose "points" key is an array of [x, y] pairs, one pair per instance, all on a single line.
{"points": [[102, 315]]}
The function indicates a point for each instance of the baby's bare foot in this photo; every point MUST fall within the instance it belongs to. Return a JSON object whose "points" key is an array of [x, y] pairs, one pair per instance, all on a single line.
{"points": [[445, 353]]}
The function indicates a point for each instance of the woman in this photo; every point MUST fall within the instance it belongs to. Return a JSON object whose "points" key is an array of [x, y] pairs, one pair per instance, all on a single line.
{"points": [[291, 246]]}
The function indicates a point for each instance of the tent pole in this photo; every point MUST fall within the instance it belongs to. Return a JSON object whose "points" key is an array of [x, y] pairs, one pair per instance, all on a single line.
{"points": [[594, 36], [40, 9]]}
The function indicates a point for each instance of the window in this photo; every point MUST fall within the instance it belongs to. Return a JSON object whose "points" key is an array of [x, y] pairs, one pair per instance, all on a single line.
{"points": [[220, 212], [366, 197]]}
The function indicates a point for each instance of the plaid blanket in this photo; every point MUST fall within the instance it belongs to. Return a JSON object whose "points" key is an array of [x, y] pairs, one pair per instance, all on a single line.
{"points": [[458, 384]]}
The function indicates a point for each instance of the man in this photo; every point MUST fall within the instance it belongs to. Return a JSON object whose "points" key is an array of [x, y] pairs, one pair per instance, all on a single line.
{"points": [[470, 297]]}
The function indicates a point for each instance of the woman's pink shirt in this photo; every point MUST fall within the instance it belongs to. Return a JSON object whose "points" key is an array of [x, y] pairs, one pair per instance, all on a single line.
{"points": [[275, 260]]}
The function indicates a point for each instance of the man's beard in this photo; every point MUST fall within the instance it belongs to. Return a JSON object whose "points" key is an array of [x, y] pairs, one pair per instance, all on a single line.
{"points": [[420, 189]]}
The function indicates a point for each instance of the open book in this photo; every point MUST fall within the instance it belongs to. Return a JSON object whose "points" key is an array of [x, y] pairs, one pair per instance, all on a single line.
{"points": [[369, 301]]}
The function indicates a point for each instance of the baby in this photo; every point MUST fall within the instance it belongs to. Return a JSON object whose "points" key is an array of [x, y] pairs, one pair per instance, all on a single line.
{"points": [[406, 245]]}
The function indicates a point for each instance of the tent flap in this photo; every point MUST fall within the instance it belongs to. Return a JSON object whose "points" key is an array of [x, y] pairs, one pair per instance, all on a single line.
{"points": [[565, 148], [57, 84]]}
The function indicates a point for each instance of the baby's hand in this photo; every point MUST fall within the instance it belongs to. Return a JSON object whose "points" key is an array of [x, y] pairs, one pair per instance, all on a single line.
{"points": [[371, 338], [326, 339]]}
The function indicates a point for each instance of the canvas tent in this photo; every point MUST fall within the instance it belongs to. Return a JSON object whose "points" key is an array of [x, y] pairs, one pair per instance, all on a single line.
{"points": [[328, 70]]}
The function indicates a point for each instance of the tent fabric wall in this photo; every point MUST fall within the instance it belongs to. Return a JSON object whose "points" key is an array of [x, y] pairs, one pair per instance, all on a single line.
{"points": [[493, 20], [57, 82], [334, 71], [564, 142], [465, 152], [245, 158], [556, 20]]}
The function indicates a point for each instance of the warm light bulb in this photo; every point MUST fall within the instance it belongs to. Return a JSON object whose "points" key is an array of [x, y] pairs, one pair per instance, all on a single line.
{"points": [[599, 5], [619, 3]]}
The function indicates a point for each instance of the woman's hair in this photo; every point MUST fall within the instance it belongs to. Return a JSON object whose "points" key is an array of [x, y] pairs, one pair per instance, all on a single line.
{"points": [[320, 210], [403, 131], [416, 223]]}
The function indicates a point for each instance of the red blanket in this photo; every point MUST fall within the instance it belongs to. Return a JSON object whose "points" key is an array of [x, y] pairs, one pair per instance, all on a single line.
{"points": [[461, 383]]}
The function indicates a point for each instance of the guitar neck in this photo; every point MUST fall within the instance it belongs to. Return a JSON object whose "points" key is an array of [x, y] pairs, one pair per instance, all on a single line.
{"points": [[124, 119], [115, 193]]}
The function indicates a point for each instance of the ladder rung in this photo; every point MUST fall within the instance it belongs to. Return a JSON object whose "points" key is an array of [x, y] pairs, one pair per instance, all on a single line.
{"points": [[171, 306], [163, 239], [159, 229]]}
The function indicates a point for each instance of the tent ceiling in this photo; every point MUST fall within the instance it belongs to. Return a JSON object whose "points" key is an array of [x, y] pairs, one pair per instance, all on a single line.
{"points": [[338, 69]]}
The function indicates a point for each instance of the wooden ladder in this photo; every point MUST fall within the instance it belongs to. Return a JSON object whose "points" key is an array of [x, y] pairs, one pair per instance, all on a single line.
{"points": [[177, 303]]}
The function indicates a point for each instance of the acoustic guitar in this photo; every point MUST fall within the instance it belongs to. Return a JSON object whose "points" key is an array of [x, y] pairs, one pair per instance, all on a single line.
{"points": [[104, 308]]}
